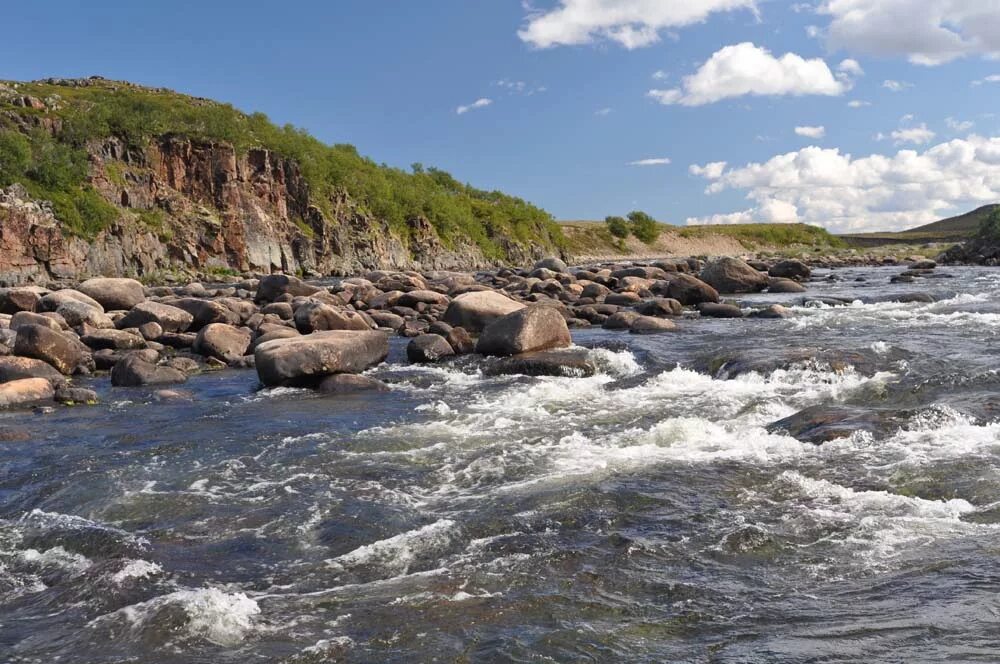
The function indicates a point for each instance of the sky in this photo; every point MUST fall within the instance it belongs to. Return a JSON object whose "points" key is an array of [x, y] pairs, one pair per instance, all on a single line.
{"points": [[857, 115]]}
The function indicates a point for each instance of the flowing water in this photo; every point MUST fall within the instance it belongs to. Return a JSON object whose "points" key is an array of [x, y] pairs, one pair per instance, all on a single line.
{"points": [[644, 514]]}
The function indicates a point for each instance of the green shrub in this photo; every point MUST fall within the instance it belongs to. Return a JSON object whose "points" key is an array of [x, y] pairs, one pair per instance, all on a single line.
{"points": [[990, 228], [618, 227], [15, 156], [643, 226]]}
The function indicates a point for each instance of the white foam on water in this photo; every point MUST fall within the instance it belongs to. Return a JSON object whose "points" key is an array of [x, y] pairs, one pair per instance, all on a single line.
{"points": [[395, 555], [57, 557], [894, 315], [222, 618], [136, 569]]}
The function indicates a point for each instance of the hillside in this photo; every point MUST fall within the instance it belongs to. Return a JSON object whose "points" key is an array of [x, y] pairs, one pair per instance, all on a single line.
{"points": [[110, 177], [968, 223], [954, 229]]}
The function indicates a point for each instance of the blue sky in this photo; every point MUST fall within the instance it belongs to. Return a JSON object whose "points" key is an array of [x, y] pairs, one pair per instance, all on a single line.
{"points": [[581, 90]]}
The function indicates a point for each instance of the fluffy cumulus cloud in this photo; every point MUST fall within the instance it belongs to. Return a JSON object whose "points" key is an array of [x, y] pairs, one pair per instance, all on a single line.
{"points": [[630, 23], [748, 69], [919, 135], [877, 192], [926, 32], [811, 132], [479, 103], [655, 161]]}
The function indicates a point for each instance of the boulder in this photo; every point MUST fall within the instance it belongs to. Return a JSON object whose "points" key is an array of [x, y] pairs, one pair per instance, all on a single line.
{"points": [[524, 331], [731, 275], [223, 342], [274, 286], [315, 316], [428, 348], [651, 325], [387, 320], [114, 294], [169, 318], [27, 318], [460, 341], [64, 352], [415, 297], [349, 383], [51, 301], [24, 298], [551, 263], [719, 310], [306, 360], [100, 339], [790, 269], [282, 310], [621, 320], [205, 312], [77, 314], [17, 368], [71, 396], [476, 310], [25, 391], [773, 311], [776, 285], [136, 370], [574, 363], [660, 306], [689, 290]]}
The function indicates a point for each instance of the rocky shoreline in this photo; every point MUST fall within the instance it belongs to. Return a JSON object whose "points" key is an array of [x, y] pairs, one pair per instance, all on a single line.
{"points": [[324, 336]]}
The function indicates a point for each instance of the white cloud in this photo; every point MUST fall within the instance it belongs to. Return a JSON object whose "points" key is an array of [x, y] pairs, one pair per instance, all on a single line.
{"points": [[811, 132], [479, 103], [747, 69], [919, 135], [896, 86], [926, 32], [710, 171], [655, 161], [603, 112], [851, 68], [877, 192], [519, 87], [992, 78], [959, 125], [858, 103], [631, 23], [660, 75]]}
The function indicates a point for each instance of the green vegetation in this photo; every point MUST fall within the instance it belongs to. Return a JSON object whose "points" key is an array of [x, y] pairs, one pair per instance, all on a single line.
{"points": [[990, 226], [964, 224], [773, 235], [100, 109], [643, 226], [618, 227]]}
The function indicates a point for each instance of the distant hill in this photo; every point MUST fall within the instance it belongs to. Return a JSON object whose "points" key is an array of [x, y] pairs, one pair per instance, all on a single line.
{"points": [[953, 229], [963, 223]]}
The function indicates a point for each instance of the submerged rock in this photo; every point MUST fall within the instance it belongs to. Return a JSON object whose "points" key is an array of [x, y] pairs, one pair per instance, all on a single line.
{"points": [[348, 383], [823, 423], [568, 363]]}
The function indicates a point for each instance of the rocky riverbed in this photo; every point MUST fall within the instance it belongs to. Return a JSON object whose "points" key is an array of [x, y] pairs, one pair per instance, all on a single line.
{"points": [[669, 461]]}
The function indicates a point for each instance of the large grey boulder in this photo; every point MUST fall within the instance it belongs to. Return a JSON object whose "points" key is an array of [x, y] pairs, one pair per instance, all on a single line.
{"points": [[731, 275], [138, 369], [114, 294], [475, 311], [428, 348], [25, 391], [101, 339], [51, 301], [790, 269], [274, 286], [77, 314], [206, 312], [170, 318], [689, 290], [22, 298], [524, 331], [306, 360], [551, 263], [223, 342], [315, 316], [63, 351]]}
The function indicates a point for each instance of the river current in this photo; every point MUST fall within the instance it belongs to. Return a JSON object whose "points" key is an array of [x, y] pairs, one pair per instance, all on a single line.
{"points": [[649, 513]]}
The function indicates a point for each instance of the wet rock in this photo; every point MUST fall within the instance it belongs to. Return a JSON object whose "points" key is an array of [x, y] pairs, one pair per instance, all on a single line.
{"points": [[70, 396], [17, 368], [64, 352], [349, 383], [24, 392], [623, 299], [475, 311], [223, 342], [274, 286], [719, 310], [306, 360], [136, 370], [114, 293], [784, 286], [823, 423], [773, 311], [651, 325], [731, 275], [523, 331], [428, 348], [169, 318], [185, 365], [660, 306], [620, 320], [566, 363], [318, 317], [689, 290], [790, 269], [460, 341], [923, 264]]}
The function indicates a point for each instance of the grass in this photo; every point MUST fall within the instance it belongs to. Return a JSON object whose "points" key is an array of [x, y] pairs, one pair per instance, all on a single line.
{"points": [[753, 236], [136, 115]]}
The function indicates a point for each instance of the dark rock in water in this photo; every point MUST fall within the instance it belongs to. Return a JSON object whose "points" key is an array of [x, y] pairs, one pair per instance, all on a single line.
{"points": [[348, 383], [24, 392], [903, 279], [719, 310], [726, 366], [660, 306], [784, 286], [688, 290], [731, 275], [428, 348], [621, 320], [651, 325], [525, 330], [823, 423], [925, 264], [75, 395], [306, 360], [170, 318], [460, 341], [908, 298], [114, 293], [223, 342], [773, 311], [136, 370], [747, 539], [790, 269], [475, 311], [567, 363], [64, 352], [827, 300]]}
